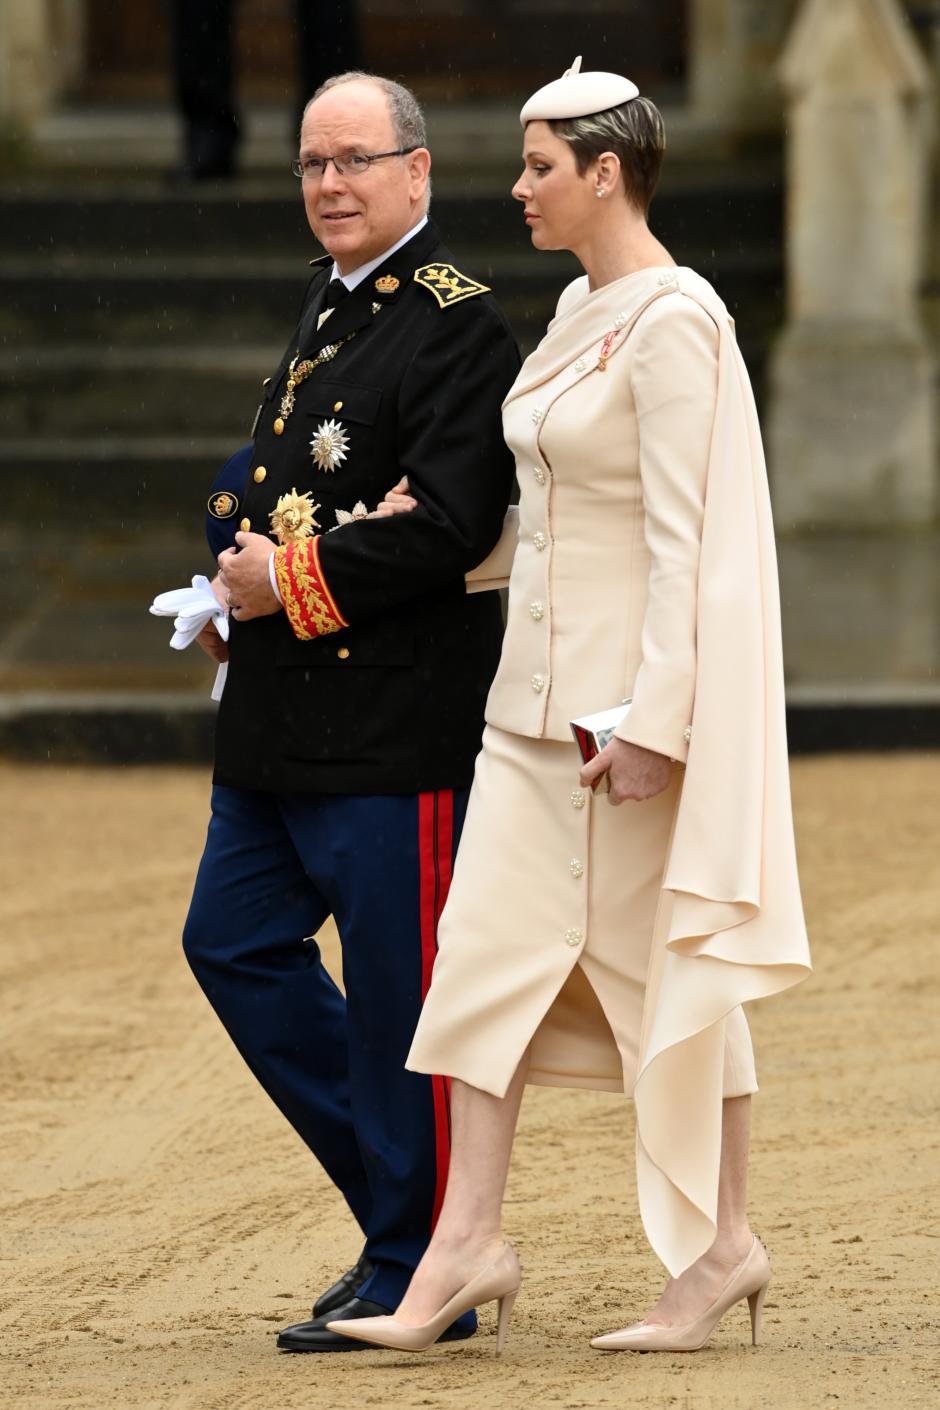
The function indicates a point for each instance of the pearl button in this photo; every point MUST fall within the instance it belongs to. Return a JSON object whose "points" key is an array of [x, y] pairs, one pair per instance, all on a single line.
{"points": [[576, 867], [536, 611], [573, 936], [620, 321], [539, 474], [538, 684], [687, 733], [539, 540], [578, 799], [260, 474], [580, 365], [245, 525], [665, 279], [537, 414]]}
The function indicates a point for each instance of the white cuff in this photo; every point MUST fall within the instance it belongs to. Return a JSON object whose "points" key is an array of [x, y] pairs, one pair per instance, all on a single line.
{"points": [[272, 579]]}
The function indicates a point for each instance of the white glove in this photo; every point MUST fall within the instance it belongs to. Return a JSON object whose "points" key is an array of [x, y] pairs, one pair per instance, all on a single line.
{"points": [[193, 609]]}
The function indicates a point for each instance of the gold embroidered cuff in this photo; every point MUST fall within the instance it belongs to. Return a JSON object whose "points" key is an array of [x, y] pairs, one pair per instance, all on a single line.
{"points": [[308, 602]]}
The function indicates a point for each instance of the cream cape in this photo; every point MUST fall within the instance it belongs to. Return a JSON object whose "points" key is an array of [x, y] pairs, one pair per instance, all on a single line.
{"points": [[730, 924]]}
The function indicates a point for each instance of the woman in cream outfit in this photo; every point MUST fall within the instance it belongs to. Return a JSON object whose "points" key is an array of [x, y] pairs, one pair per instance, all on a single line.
{"points": [[591, 945]]}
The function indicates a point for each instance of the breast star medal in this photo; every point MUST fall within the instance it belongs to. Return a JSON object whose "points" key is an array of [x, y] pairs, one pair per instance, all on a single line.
{"points": [[330, 444], [349, 516], [293, 518]]}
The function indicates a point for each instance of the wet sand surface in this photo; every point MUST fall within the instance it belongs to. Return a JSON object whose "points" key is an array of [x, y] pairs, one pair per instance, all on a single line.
{"points": [[160, 1220]]}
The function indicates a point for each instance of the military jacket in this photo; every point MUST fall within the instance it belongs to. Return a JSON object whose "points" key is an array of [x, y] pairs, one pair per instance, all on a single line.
{"points": [[374, 679]]}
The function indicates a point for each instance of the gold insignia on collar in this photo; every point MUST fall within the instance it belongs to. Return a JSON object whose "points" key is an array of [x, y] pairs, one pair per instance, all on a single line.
{"points": [[387, 284], [293, 518], [222, 506], [447, 284], [330, 444]]}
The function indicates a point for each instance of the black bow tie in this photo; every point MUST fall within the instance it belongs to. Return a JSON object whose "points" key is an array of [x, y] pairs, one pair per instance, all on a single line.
{"points": [[335, 293]]}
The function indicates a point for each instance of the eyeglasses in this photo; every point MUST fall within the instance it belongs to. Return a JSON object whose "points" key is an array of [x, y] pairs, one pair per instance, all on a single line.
{"points": [[314, 168]]}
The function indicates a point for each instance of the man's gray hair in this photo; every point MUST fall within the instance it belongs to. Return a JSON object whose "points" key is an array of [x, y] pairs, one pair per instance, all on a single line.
{"points": [[405, 110]]}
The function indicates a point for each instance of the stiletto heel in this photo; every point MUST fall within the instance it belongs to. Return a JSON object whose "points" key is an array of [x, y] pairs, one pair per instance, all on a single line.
{"points": [[749, 1280], [498, 1282], [503, 1315], [755, 1305]]}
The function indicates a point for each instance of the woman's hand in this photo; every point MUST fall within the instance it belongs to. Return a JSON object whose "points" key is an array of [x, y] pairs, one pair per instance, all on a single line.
{"points": [[397, 501], [635, 773]]}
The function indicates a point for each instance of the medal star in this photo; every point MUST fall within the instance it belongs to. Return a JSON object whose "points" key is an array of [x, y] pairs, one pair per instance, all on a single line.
{"points": [[293, 518], [330, 444], [349, 516]]}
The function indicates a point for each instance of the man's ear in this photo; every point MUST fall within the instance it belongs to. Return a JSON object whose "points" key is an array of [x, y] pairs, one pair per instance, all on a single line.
{"points": [[419, 169]]}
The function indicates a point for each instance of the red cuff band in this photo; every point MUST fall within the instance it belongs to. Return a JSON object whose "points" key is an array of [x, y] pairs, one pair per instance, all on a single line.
{"points": [[308, 602]]}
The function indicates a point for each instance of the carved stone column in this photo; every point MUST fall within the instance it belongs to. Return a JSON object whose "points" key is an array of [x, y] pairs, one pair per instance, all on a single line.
{"points": [[40, 55], [852, 405], [733, 49]]}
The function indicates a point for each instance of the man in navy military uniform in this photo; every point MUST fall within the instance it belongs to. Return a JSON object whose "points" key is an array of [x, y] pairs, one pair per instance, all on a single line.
{"points": [[358, 671]]}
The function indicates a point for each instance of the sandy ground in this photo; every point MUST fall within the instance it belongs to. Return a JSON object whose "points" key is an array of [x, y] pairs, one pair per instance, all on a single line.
{"points": [[160, 1220]]}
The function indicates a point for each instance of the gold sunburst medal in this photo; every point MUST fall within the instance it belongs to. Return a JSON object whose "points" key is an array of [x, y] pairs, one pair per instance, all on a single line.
{"points": [[330, 444], [293, 518]]}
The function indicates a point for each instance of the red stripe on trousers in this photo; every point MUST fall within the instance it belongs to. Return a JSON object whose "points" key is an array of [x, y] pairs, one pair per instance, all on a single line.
{"points": [[435, 846]]}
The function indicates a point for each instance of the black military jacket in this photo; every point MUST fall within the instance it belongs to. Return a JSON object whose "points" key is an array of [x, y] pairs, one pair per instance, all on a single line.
{"points": [[393, 702]]}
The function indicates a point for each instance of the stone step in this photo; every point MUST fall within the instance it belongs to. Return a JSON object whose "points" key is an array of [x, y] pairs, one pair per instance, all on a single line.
{"points": [[130, 300], [121, 727], [112, 483], [80, 392], [697, 210]]}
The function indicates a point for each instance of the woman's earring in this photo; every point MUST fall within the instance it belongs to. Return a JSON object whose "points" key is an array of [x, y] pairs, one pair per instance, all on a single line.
{"points": [[599, 191]]}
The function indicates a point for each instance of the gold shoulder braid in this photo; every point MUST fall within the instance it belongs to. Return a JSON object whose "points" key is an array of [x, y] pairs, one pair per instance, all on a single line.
{"points": [[447, 284], [299, 372]]}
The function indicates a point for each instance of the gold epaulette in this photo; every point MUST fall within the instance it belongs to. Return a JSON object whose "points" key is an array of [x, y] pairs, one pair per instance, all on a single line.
{"points": [[447, 284]]}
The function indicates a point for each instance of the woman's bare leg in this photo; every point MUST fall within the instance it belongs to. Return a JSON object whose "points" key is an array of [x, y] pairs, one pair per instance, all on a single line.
{"points": [[468, 1230], [683, 1298]]}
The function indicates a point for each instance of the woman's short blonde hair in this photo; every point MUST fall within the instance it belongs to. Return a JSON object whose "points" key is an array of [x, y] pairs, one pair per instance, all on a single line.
{"points": [[633, 131]]}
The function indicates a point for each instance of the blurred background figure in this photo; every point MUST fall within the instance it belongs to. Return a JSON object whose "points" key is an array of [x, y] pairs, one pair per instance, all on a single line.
{"points": [[326, 42]]}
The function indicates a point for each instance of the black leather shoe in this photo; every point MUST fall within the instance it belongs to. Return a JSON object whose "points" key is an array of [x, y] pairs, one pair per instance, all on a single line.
{"points": [[344, 1288], [314, 1336]]}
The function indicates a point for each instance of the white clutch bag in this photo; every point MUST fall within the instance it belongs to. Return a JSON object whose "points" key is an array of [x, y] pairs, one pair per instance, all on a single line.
{"points": [[592, 733]]}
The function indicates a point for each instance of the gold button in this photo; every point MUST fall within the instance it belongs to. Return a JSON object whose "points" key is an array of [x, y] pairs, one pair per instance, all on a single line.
{"points": [[578, 799], [260, 474], [245, 525], [337, 406], [279, 426], [343, 653]]}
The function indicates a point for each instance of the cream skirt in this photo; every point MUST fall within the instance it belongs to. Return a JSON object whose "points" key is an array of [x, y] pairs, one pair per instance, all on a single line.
{"points": [[546, 937]]}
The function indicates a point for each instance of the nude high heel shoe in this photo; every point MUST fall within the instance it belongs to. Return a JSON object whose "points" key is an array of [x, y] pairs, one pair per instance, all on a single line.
{"points": [[749, 1280], [498, 1282]]}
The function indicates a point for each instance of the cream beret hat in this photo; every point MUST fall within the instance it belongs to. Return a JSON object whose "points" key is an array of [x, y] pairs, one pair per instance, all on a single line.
{"points": [[577, 94]]}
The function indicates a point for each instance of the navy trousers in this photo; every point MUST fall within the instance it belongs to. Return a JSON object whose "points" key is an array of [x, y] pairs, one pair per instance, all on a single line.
{"points": [[274, 868]]}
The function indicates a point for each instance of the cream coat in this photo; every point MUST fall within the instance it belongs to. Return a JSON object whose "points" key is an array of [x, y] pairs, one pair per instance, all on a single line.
{"points": [[642, 565]]}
